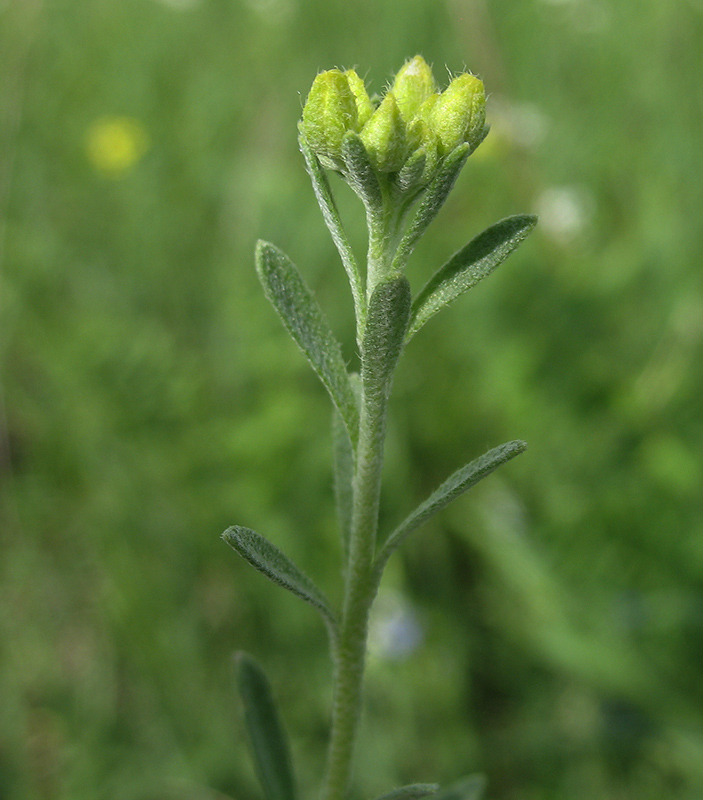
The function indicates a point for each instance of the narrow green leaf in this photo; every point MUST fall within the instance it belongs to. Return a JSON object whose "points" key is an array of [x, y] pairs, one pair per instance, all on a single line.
{"points": [[268, 741], [434, 198], [458, 483], [413, 791], [360, 172], [303, 318], [471, 788], [387, 322], [325, 200], [471, 264], [267, 558]]}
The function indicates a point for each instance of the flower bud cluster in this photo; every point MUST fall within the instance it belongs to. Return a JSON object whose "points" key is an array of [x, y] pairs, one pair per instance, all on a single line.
{"points": [[409, 132]]}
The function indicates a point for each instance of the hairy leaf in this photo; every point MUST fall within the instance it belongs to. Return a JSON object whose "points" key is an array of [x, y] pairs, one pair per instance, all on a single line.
{"points": [[387, 321], [471, 788], [303, 318], [360, 172], [458, 483], [413, 791], [325, 200], [470, 265], [268, 742], [434, 198], [267, 558]]}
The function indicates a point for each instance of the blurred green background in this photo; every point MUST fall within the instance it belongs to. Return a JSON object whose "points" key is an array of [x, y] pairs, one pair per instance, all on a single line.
{"points": [[548, 628]]}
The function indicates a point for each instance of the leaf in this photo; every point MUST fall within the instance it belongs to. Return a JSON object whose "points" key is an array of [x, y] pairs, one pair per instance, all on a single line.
{"points": [[360, 173], [434, 198], [458, 483], [268, 742], [325, 200], [303, 318], [471, 264], [413, 791], [387, 322], [267, 558], [471, 788]]}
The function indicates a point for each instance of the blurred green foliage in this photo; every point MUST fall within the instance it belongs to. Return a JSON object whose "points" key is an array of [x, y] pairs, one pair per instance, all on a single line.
{"points": [[551, 623]]}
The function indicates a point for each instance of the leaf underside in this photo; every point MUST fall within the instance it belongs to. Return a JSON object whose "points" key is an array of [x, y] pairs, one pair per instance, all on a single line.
{"points": [[301, 315], [413, 791], [266, 736], [269, 560]]}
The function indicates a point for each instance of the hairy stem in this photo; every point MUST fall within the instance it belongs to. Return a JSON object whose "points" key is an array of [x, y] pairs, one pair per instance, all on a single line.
{"points": [[360, 591]]}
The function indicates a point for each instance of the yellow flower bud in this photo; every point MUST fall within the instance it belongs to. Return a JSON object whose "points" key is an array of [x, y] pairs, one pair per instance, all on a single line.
{"points": [[459, 114], [328, 114], [384, 136], [364, 106], [413, 84]]}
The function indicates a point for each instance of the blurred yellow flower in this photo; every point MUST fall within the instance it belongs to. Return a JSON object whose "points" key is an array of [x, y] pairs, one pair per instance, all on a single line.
{"points": [[115, 144]]}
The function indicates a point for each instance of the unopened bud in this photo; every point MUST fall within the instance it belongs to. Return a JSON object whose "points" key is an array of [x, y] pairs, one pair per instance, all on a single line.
{"points": [[329, 113], [413, 84], [459, 115], [384, 136]]}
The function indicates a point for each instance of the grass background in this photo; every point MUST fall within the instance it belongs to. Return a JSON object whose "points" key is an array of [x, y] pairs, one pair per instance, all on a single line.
{"points": [[547, 629]]}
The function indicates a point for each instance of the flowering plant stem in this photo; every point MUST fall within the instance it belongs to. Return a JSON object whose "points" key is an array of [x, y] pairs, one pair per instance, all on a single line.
{"points": [[360, 590], [405, 153]]}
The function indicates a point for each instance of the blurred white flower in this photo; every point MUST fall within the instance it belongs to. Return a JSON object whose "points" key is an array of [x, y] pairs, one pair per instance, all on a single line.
{"points": [[394, 630], [523, 124], [565, 211]]}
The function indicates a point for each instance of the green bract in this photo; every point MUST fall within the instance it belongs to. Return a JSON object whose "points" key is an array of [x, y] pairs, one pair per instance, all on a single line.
{"points": [[411, 116]]}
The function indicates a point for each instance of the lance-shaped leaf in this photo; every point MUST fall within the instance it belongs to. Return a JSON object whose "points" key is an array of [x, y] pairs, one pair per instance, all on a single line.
{"points": [[387, 322], [325, 200], [268, 742], [434, 198], [267, 558], [413, 791], [303, 318], [470, 265], [360, 172], [471, 788], [458, 483]]}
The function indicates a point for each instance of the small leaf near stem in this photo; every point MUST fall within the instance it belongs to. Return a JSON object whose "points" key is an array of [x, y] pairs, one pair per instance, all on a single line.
{"points": [[325, 200], [432, 201], [470, 265], [458, 483], [268, 559], [286, 290], [413, 791], [268, 742]]}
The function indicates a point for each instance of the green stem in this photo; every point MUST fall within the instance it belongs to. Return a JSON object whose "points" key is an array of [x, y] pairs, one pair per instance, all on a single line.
{"points": [[360, 591]]}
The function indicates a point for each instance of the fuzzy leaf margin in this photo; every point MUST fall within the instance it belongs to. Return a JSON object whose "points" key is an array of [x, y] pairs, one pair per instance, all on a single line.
{"points": [[470, 265], [413, 791], [457, 483], [301, 315], [277, 567]]}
